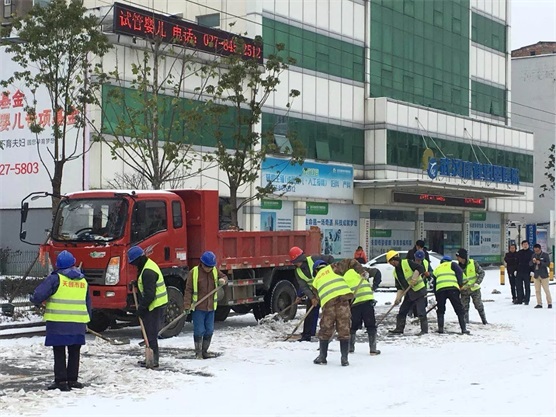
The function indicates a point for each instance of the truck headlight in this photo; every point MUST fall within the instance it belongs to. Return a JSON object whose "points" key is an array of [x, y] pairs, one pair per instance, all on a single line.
{"points": [[112, 276]]}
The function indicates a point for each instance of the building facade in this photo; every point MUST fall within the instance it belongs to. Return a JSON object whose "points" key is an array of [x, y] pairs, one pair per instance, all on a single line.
{"points": [[404, 111]]}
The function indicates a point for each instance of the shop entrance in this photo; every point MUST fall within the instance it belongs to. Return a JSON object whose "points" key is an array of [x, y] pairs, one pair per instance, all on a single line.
{"points": [[444, 243]]}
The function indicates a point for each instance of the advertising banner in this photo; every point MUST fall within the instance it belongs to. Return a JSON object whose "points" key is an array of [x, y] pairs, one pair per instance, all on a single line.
{"points": [[315, 180], [339, 224], [276, 215], [24, 154], [485, 236], [383, 240]]}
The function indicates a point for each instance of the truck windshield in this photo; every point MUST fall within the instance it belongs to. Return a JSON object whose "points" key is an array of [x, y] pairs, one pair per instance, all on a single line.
{"points": [[86, 220]]}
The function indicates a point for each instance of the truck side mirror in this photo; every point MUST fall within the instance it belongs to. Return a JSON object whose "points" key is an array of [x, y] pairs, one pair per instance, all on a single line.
{"points": [[24, 212]]}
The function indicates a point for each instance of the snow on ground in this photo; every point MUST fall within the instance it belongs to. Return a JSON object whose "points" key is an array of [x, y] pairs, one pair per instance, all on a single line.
{"points": [[504, 368]]}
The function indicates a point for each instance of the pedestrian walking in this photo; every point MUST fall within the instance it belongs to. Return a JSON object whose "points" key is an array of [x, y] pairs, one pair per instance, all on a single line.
{"points": [[335, 297], [419, 246], [511, 261], [540, 263], [304, 274], [408, 274], [447, 281], [523, 276], [153, 297], [363, 307], [473, 275], [203, 279], [68, 310]]}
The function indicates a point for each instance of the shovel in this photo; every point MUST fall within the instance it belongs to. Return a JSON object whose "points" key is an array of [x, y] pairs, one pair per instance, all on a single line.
{"points": [[186, 312], [415, 321], [391, 308], [277, 315], [149, 354], [124, 341], [288, 337]]}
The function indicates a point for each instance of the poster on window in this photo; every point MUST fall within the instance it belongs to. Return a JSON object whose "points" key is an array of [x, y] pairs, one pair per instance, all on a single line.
{"points": [[276, 215], [384, 240], [485, 233], [26, 158], [339, 224]]}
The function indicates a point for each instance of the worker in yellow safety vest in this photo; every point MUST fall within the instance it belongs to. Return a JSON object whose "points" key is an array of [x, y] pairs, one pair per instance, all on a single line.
{"points": [[154, 297], [68, 310], [201, 281]]}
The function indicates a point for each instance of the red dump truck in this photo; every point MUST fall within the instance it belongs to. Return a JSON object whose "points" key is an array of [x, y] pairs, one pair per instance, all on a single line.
{"points": [[174, 228]]}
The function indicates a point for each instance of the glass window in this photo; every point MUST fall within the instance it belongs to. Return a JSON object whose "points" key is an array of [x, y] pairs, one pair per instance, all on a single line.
{"points": [[177, 220], [488, 32], [148, 218], [209, 20]]}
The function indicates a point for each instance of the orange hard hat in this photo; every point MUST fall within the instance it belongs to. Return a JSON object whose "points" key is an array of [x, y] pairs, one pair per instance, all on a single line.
{"points": [[295, 252]]}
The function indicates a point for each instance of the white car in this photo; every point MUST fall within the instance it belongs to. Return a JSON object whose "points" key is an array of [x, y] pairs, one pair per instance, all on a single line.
{"points": [[387, 270]]}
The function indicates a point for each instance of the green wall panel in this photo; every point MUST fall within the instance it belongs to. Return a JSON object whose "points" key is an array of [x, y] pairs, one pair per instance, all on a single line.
{"points": [[420, 52]]}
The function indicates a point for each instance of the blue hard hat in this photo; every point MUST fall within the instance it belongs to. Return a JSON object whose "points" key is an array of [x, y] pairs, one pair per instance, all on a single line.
{"points": [[65, 260], [208, 258], [446, 258], [318, 265], [420, 255], [134, 252]]}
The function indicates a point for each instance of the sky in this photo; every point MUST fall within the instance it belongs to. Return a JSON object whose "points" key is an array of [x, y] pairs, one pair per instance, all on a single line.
{"points": [[532, 21]]}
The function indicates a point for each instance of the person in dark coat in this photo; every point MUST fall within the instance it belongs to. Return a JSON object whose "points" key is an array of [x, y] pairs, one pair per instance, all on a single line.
{"points": [[540, 262], [511, 260], [304, 275], [419, 245], [523, 276], [68, 310]]}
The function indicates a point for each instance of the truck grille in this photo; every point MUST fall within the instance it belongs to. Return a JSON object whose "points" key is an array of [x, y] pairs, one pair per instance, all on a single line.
{"points": [[94, 276]]}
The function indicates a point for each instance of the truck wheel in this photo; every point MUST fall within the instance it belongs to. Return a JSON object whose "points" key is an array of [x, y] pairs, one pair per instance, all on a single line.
{"points": [[221, 313], [283, 295], [242, 308], [173, 309], [99, 321]]}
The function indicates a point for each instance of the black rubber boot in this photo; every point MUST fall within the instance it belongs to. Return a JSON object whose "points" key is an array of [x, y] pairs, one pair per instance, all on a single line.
{"points": [[323, 348], [75, 385], [372, 342], [198, 340], [156, 355], [62, 386], [463, 325], [440, 319], [344, 349], [483, 316], [424, 325], [400, 325], [206, 345], [352, 343]]}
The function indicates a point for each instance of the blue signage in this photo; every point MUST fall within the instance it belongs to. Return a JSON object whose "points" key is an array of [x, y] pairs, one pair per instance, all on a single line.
{"points": [[448, 167], [531, 232]]}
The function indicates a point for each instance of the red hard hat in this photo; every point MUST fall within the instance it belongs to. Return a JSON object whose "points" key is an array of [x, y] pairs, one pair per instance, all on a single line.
{"points": [[295, 252]]}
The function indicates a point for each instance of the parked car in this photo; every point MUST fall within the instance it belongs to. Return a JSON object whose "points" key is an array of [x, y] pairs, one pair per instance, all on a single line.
{"points": [[387, 270]]}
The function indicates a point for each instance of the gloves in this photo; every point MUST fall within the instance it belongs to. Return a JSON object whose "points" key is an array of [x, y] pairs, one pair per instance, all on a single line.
{"points": [[132, 284], [365, 275], [222, 281], [314, 302], [412, 282], [188, 317], [398, 299], [141, 311]]}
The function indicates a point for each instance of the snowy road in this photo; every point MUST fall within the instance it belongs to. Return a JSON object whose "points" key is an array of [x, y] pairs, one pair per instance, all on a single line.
{"points": [[504, 368]]}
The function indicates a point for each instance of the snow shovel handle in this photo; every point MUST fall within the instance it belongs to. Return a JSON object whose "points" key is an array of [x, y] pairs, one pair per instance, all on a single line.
{"points": [[109, 340], [393, 305], [299, 323], [186, 312]]}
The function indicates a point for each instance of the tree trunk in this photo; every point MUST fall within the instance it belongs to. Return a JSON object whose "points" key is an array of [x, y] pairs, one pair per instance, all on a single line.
{"points": [[233, 205], [56, 186]]}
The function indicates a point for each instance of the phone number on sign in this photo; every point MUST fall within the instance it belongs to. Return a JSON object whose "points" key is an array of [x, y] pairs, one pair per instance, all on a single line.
{"points": [[21, 168]]}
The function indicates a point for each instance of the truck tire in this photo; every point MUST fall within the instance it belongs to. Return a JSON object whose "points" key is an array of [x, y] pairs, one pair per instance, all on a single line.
{"points": [[173, 310], [221, 313], [283, 295], [99, 321]]}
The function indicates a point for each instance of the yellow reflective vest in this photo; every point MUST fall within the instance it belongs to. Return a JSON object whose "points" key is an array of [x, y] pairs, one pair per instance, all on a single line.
{"points": [[68, 303], [445, 276], [301, 274], [330, 285], [408, 273], [364, 291], [195, 275], [470, 275], [161, 296]]}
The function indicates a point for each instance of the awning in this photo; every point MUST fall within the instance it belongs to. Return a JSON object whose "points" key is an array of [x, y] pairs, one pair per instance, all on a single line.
{"points": [[415, 185]]}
